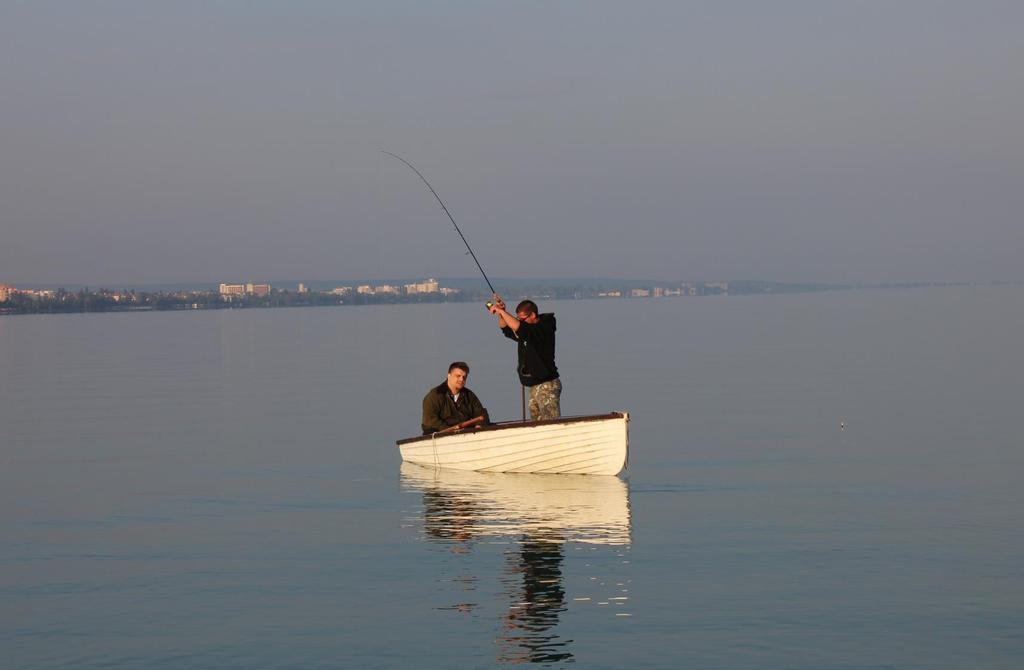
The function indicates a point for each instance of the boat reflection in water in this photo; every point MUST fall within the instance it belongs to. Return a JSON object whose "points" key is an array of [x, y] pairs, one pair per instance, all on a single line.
{"points": [[538, 515]]}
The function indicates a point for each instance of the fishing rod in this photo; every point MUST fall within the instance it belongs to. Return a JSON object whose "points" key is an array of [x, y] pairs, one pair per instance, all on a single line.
{"points": [[450, 217]]}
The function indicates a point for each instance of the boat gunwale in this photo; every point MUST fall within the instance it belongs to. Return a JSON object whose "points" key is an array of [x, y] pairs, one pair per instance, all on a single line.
{"points": [[505, 425]]}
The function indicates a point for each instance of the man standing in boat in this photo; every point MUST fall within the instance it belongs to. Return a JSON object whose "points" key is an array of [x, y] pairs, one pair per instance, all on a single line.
{"points": [[451, 406], [535, 337]]}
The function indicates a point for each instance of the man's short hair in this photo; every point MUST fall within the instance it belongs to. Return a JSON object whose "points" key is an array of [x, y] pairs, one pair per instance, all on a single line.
{"points": [[528, 306], [460, 365]]}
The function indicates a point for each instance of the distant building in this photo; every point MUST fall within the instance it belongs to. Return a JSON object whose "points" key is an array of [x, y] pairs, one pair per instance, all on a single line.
{"points": [[342, 290], [6, 292], [658, 292], [259, 290], [386, 289], [673, 291], [640, 293], [450, 291], [429, 286], [365, 289], [609, 294], [303, 288], [232, 289]]}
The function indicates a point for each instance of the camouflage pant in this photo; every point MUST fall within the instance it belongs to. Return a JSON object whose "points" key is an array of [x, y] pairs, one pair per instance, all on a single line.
{"points": [[544, 400]]}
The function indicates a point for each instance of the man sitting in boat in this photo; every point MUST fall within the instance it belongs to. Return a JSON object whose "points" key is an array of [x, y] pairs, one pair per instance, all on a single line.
{"points": [[450, 406]]}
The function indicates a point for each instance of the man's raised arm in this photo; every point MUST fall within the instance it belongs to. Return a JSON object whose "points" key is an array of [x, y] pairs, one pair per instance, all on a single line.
{"points": [[504, 317]]}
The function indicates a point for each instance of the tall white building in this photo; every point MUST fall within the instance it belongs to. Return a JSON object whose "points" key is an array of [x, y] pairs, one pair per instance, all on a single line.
{"points": [[232, 289], [429, 286]]}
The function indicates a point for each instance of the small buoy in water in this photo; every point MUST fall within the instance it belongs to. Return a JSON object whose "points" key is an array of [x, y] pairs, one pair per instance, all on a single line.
{"points": [[842, 425]]}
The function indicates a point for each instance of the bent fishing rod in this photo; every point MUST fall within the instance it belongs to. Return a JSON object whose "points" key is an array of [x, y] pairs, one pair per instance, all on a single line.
{"points": [[450, 218]]}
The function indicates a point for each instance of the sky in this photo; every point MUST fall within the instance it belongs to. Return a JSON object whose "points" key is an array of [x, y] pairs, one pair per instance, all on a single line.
{"points": [[854, 141]]}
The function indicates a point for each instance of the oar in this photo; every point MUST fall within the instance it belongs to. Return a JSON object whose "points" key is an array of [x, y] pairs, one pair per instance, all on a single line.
{"points": [[476, 421]]}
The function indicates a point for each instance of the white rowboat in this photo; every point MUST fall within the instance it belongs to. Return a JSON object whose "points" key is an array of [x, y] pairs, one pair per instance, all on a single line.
{"points": [[588, 445]]}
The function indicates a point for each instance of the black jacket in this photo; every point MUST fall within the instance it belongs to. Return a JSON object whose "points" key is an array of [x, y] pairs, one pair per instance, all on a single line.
{"points": [[536, 350], [440, 410]]}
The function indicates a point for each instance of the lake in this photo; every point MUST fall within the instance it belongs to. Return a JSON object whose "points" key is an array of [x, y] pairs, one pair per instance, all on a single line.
{"points": [[826, 480]]}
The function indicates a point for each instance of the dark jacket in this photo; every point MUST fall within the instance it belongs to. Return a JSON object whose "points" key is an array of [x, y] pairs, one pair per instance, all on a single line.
{"points": [[536, 350], [440, 410]]}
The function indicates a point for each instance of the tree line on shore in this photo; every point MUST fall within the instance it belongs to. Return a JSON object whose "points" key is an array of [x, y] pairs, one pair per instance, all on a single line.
{"points": [[103, 300], [106, 300]]}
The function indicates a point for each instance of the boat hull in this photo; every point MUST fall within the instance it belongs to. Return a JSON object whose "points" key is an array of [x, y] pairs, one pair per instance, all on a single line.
{"points": [[593, 445]]}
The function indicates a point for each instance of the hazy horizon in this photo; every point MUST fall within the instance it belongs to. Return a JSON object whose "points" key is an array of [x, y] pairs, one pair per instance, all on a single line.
{"points": [[792, 141]]}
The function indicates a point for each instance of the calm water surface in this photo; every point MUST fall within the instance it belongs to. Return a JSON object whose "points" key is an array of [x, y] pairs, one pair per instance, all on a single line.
{"points": [[222, 489]]}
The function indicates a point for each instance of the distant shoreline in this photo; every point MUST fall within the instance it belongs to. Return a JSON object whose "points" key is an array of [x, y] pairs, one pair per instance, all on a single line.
{"points": [[263, 296]]}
